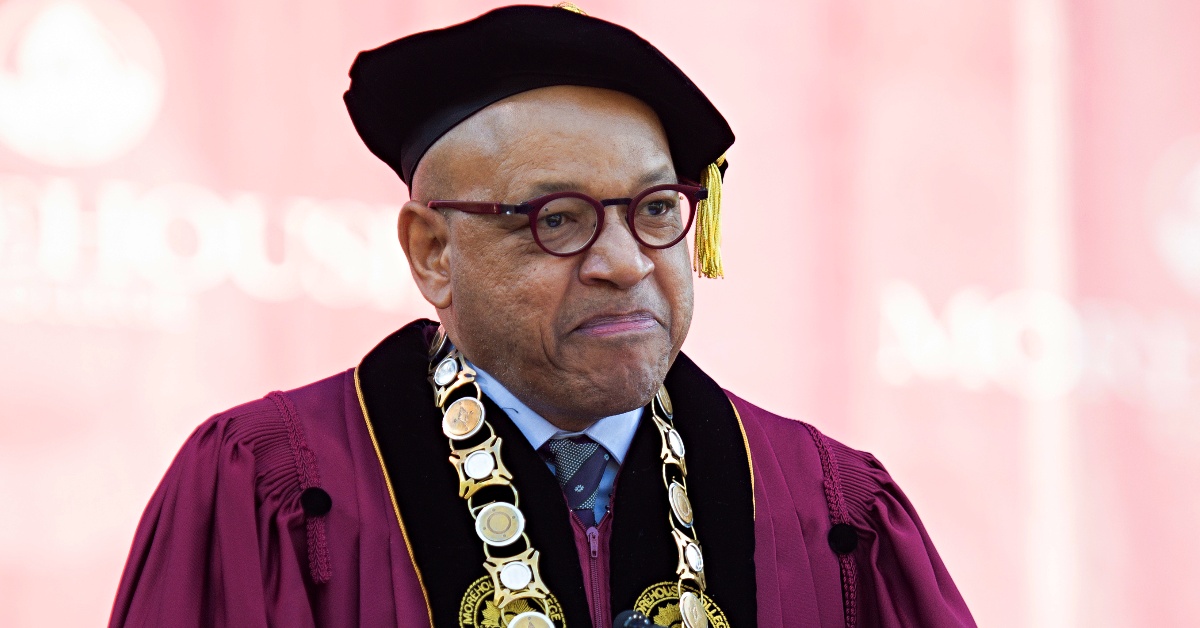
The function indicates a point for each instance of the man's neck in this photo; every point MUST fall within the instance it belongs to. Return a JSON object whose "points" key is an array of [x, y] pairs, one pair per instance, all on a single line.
{"points": [[614, 432]]}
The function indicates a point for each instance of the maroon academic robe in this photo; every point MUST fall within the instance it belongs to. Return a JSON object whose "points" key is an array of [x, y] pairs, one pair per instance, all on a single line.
{"points": [[298, 510]]}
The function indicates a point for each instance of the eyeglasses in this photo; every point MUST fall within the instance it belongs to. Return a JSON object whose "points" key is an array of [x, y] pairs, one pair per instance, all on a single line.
{"points": [[568, 223]]}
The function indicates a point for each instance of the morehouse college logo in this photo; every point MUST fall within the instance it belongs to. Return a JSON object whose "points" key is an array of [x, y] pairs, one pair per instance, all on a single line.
{"points": [[81, 82]]}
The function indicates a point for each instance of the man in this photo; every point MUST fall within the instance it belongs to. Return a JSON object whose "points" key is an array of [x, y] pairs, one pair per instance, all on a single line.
{"points": [[555, 162]]}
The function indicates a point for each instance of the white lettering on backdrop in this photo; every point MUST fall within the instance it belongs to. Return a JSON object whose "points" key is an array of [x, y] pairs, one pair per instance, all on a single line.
{"points": [[1037, 345], [125, 254]]}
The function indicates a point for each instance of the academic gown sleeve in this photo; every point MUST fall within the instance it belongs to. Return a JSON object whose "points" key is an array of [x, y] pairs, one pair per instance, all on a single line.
{"points": [[224, 540], [899, 578]]}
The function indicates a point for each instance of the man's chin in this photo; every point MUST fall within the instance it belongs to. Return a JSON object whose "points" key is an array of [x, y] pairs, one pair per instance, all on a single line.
{"points": [[625, 371]]}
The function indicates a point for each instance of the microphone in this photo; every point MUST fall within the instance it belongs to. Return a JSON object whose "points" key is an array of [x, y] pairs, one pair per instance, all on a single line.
{"points": [[634, 619]]}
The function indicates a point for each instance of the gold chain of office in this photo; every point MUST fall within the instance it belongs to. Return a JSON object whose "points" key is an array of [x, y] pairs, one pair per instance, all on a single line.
{"points": [[486, 484]]}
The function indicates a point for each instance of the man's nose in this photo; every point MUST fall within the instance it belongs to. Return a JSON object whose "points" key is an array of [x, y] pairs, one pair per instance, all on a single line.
{"points": [[616, 257]]}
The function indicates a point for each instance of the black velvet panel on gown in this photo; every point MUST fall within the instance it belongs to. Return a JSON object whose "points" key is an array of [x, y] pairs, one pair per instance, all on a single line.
{"points": [[441, 532]]}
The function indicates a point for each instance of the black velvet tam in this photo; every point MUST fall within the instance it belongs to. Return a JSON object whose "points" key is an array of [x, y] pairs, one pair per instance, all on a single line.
{"points": [[405, 95]]}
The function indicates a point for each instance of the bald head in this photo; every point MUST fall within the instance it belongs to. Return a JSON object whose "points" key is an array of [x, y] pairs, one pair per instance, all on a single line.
{"points": [[495, 144]]}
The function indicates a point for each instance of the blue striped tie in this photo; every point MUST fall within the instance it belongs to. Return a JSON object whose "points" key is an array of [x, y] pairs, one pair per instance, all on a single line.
{"points": [[579, 464]]}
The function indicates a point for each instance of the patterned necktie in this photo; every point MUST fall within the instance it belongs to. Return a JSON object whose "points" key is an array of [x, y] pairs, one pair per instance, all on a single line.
{"points": [[579, 464]]}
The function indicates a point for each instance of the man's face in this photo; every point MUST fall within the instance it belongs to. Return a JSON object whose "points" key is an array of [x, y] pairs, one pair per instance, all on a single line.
{"points": [[575, 338]]}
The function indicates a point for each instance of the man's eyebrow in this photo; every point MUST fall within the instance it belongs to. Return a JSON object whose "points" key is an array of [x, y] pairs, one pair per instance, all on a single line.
{"points": [[550, 187], [664, 174]]}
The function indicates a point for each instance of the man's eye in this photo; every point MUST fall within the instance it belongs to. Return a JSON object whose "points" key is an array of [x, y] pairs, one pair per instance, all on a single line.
{"points": [[554, 220], [656, 208]]}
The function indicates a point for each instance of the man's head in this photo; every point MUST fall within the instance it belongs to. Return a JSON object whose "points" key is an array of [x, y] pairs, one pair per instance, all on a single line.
{"points": [[517, 103], [576, 338]]}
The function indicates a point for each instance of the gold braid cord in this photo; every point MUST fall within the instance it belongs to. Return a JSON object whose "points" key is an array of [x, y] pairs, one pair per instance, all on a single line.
{"points": [[486, 484], [707, 260]]}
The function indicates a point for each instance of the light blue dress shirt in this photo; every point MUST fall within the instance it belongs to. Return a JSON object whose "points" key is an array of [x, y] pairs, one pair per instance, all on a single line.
{"points": [[614, 433]]}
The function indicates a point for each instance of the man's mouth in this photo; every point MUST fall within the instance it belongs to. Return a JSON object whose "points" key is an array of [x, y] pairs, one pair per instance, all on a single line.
{"points": [[611, 324]]}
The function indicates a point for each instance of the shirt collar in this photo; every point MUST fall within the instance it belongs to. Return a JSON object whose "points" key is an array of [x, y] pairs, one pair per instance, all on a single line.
{"points": [[614, 433]]}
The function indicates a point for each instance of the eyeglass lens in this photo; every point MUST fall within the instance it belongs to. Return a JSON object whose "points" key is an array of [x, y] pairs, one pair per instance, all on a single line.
{"points": [[566, 225]]}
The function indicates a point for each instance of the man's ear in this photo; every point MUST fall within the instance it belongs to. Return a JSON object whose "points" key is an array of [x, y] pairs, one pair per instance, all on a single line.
{"points": [[425, 237]]}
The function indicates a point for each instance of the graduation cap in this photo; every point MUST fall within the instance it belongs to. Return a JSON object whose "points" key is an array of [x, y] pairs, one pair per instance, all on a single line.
{"points": [[405, 95]]}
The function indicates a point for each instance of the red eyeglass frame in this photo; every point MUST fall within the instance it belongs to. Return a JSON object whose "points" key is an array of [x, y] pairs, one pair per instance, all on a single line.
{"points": [[530, 208]]}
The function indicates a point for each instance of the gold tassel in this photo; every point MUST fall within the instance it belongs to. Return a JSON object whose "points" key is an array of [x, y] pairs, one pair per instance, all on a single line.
{"points": [[707, 259], [570, 7]]}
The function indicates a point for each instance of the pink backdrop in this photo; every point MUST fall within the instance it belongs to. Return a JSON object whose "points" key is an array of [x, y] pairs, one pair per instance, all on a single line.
{"points": [[962, 235]]}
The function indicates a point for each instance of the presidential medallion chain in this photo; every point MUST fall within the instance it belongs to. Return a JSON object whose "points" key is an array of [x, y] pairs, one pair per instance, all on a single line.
{"points": [[485, 483], [690, 567]]}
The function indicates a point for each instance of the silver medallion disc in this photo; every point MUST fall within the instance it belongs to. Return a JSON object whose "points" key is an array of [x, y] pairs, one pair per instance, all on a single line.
{"points": [[675, 442], [692, 611], [499, 524], [531, 619], [516, 575], [445, 371], [463, 418], [479, 465], [694, 558]]}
